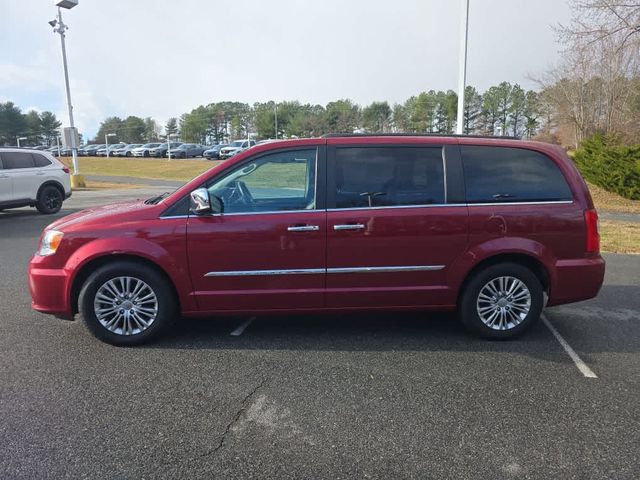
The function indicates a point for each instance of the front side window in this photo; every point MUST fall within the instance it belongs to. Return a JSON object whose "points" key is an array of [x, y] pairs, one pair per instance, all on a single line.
{"points": [[499, 174], [389, 176], [276, 182], [13, 160]]}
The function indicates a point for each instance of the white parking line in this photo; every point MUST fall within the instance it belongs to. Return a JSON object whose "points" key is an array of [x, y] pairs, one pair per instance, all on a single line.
{"points": [[241, 328], [584, 369]]}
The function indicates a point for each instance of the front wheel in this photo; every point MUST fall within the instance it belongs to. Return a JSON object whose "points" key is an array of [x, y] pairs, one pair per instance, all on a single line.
{"points": [[501, 301], [49, 200], [125, 303]]}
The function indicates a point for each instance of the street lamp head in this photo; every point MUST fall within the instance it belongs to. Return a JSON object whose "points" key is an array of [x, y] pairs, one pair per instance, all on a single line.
{"points": [[53, 23], [68, 4]]}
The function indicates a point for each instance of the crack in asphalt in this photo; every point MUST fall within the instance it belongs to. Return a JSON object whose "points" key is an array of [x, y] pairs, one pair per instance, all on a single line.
{"points": [[236, 417], [243, 408]]}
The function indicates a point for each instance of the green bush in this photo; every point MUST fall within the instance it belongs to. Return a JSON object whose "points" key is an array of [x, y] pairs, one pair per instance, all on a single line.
{"points": [[614, 167]]}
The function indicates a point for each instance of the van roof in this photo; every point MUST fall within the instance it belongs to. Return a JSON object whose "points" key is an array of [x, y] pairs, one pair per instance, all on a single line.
{"points": [[446, 135]]}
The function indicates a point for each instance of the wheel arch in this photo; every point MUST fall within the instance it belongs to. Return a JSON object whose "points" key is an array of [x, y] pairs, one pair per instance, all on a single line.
{"points": [[53, 183], [532, 263], [89, 267]]}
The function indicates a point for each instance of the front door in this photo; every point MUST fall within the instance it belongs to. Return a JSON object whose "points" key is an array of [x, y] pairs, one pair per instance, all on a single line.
{"points": [[267, 250], [391, 230]]}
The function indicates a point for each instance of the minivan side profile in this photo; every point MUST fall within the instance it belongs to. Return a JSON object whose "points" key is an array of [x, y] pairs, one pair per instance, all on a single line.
{"points": [[494, 229]]}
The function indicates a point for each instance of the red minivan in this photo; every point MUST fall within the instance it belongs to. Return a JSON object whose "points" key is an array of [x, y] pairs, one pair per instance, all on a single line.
{"points": [[493, 228]]}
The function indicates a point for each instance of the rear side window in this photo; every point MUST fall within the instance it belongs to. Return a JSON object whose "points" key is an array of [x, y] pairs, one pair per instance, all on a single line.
{"points": [[13, 160], [496, 174], [41, 160], [388, 176]]}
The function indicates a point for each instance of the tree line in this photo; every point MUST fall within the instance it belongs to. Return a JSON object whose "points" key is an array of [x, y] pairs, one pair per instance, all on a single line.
{"points": [[34, 127], [504, 109]]}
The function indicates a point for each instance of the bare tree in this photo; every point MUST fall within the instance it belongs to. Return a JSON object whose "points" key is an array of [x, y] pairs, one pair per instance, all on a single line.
{"points": [[597, 20]]}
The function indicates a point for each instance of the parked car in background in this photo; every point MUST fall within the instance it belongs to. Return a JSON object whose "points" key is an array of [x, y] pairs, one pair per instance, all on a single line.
{"points": [[126, 150], [144, 150], [60, 151], [30, 177], [114, 151], [494, 229], [161, 151], [235, 147], [187, 150], [213, 153], [90, 150], [102, 152]]}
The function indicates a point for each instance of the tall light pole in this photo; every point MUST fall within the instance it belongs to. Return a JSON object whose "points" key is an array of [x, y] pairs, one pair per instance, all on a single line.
{"points": [[169, 135], [59, 27], [462, 73], [106, 141], [275, 112]]}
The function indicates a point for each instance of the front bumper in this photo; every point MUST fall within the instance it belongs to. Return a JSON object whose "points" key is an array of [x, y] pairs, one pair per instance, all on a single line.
{"points": [[49, 288]]}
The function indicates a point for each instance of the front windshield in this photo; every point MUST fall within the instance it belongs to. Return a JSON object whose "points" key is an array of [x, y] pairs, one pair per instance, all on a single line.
{"points": [[237, 143]]}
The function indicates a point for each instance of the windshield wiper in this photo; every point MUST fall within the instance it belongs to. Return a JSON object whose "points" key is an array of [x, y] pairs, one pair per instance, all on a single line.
{"points": [[157, 199]]}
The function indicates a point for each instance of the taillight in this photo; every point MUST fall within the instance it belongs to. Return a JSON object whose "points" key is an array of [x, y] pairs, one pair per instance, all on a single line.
{"points": [[66, 170], [593, 237]]}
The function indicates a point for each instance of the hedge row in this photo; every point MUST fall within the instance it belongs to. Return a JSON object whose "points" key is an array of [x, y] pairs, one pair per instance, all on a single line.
{"points": [[614, 167]]}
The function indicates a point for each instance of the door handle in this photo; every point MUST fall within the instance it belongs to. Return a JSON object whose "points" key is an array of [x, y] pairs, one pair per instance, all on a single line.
{"points": [[349, 226], [303, 228], [4, 176], [39, 173]]}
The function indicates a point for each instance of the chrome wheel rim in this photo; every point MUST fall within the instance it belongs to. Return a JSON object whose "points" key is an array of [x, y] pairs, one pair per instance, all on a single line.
{"points": [[503, 303], [125, 305]]}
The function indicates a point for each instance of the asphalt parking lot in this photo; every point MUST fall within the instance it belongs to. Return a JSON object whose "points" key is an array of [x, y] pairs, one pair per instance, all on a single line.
{"points": [[354, 396]]}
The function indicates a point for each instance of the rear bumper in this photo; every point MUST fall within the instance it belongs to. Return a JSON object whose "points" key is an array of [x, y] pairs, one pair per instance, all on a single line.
{"points": [[49, 290], [576, 280]]}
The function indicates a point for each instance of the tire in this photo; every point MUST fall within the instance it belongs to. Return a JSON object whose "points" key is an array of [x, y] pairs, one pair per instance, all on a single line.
{"points": [[146, 154], [128, 154], [484, 310], [127, 329], [49, 200]]}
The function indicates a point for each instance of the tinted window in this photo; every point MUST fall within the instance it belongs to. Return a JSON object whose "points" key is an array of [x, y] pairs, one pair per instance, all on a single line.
{"points": [[11, 160], [40, 160], [276, 182], [494, 174], [389, 176]]}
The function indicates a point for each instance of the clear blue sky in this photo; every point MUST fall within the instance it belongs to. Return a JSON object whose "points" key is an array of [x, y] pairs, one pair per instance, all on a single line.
{"points": [[162, 58]]}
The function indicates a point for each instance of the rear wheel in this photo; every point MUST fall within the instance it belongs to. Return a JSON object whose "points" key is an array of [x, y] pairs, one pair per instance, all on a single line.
{"points": [[501, 301], [125, 303], [49, 200]]}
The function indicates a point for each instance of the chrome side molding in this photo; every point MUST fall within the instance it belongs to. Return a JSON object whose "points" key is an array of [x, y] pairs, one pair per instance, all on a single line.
{"points": [[316, 271]]}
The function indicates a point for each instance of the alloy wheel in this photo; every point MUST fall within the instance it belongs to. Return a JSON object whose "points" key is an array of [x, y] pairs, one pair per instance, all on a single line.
{"points": [[125, 305], [503, 303]]}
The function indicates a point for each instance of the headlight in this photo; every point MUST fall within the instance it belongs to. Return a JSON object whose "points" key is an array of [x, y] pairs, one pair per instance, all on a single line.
{"points": [[50, 242]]}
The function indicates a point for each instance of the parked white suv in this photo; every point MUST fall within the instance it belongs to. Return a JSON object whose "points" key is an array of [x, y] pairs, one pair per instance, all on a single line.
{"points": [[32, 178]]}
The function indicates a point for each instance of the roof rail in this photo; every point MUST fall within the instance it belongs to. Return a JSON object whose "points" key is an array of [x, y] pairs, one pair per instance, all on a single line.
{"points": [[334, 135]]}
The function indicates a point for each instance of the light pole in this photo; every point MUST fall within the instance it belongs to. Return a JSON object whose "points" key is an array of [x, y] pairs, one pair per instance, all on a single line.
{"points": [[59, 27], [462, 73], [20, 138], [275, 110], [169, 135], [106, 141]]}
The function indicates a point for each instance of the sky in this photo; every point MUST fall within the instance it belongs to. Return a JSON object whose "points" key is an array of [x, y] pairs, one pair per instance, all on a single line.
{"points": [[162, 58]]}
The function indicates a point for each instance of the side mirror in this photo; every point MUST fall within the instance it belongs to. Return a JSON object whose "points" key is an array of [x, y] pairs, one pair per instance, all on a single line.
{"points": [[201, 203]]}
